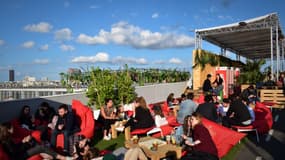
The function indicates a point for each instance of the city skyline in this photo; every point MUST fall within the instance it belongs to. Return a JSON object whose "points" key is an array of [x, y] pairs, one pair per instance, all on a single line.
{"points": [[42, 39]]}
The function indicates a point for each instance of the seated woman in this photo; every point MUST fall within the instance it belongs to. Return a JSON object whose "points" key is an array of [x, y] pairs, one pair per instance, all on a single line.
{"points": [[171, 101], [81, 149], [108, 113], [142, 117], [26, 119], [184, 132], [203, 145], [27, 148], [159, 117]]}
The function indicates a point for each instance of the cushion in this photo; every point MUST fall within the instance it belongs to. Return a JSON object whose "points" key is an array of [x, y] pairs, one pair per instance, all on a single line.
{"points": [[141, 130]]}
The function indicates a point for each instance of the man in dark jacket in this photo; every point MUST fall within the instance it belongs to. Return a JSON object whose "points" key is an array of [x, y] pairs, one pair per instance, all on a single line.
{"points": [[208, 109], [237, 114], [207, 85], [66, 124]]}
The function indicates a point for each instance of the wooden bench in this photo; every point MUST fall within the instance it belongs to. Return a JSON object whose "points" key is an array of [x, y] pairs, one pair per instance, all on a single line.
{"points": [[275, 96]]}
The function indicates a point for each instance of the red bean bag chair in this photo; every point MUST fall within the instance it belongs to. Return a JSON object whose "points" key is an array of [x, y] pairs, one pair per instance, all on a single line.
{"points": [[224, 138], [85, 116], [263, 118]]}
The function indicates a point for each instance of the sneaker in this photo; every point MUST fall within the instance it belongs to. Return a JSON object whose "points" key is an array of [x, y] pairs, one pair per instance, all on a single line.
{"points": [[109, 136], [120, 129], [106, 138]]}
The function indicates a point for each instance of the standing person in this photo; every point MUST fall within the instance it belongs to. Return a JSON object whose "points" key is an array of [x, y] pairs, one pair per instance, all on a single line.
{"points": [[207, 85], [219, 84], [142, 117], [108, 113], [187, 107], [208, 109], [66, 124], [203, 145]]}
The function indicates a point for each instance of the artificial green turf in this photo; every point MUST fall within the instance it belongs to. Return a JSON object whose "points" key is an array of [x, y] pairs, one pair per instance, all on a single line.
{"points": [[110, 145], [119, 142], [232, 153]]}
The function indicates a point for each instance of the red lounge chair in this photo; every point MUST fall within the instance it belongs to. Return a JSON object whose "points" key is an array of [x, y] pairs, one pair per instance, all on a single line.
{"points": [[249, 128]]}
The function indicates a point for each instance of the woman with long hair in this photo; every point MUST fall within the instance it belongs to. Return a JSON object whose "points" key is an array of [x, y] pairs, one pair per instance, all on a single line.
{"points": [[184, 132], [159, 117], [142, 117], [202, 144]]}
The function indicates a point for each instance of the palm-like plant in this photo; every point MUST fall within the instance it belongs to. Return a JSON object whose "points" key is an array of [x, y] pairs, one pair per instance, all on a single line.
{"points": [[205, 57], [250, 73]]}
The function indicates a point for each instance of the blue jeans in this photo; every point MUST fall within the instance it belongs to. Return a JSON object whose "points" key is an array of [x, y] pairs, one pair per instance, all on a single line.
{"points": [[66, 138]]}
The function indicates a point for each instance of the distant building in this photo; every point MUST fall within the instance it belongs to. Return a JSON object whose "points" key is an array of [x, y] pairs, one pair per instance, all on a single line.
{"points": [[74, 71], [11, 75]]}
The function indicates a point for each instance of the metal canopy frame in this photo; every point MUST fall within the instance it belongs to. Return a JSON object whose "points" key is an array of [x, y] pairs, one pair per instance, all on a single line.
{"points": [[255, 38]]}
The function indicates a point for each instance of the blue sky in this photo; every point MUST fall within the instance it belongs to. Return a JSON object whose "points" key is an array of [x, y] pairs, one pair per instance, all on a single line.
{"points": [[46, 37]]}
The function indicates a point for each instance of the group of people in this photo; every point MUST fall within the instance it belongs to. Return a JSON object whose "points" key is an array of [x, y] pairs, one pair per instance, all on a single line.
{"points": [[45, 119], [235, 110], [215, 87]]}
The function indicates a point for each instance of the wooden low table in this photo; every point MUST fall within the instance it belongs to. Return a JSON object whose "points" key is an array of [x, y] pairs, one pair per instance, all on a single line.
{"points": [[163, 150], [113, 128]]}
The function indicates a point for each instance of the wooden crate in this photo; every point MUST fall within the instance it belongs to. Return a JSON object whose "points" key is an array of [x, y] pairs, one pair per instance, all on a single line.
{"points": [[273, 95]]}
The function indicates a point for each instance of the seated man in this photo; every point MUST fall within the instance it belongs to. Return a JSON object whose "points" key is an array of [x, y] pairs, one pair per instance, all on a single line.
{"points": [[65, 124]]}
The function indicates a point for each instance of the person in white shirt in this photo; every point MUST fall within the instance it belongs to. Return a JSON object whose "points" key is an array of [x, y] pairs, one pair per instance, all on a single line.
{"points": [[159, 118]]}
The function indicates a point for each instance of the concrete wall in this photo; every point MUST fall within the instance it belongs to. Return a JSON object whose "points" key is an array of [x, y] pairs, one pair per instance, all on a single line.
{"points": [[11, 109], [159, 92], [152, 94]]}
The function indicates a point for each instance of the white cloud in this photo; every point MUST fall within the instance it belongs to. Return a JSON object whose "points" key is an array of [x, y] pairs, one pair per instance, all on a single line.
{"points": [[155, 15], [66, 48], [42, 27], [63, 34], [175, 61], [28, 44], [99, 57], [129, 60], [41, 61], [44, 47], [123, 33], [2, 42]]}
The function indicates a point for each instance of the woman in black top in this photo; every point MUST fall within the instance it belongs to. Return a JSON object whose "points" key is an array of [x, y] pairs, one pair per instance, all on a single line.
{"points": [[142, 117]]}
